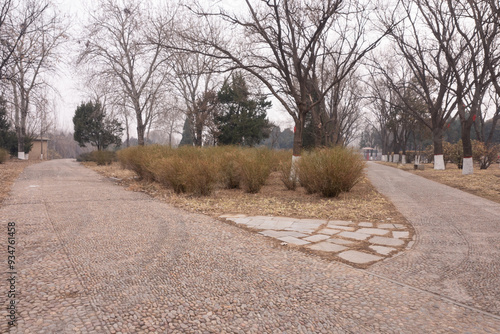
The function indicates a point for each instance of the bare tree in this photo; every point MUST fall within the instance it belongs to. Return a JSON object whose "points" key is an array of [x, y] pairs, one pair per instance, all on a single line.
{"points": [[34, 55], [487, 25], [432, 75], [469, 26], [343, 110], [281, 42], [381, 97], [196, 81], [16, 20], [118, 43]]}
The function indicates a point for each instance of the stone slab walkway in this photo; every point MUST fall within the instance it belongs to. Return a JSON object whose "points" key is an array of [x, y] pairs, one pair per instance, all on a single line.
{"points": [[95, 258], [457, 248], [355, 243]]}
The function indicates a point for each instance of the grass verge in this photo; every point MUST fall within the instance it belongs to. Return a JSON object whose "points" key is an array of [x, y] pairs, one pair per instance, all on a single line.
{"points": [[9, 172]]}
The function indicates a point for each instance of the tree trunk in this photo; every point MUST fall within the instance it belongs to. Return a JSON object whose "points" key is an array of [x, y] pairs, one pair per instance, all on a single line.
{"points": [[198, 135], [140, 134], [128, 131], [297, 136], [468, 166], [437, 138]]}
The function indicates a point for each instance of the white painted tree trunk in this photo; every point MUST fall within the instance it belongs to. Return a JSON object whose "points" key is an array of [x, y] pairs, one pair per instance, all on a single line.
{"points": [[20, 156], [384, 158], [293, 169], [403, 159], [468, 166], [396, 158], [439, 162], [26, 156]]}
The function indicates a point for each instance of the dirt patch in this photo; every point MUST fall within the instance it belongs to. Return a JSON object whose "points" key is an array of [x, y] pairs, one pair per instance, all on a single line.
{"points": [[9, 172], [483, 183]]}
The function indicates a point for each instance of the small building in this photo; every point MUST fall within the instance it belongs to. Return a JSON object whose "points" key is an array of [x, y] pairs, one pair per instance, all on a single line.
{"points": [[39, 149]]}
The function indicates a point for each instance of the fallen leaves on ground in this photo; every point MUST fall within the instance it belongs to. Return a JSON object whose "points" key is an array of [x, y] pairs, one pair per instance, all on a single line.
{"points": [[9, 172]]}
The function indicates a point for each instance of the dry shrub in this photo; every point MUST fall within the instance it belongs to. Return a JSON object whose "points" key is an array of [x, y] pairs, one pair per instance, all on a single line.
{"points": [[170, 172], [255, 168], [229, 160], [309, 172], [330, 171], [280, 157], [141, 159], [4, 155], [103, 157], [285, 168], [186, 169], [202, 175]]}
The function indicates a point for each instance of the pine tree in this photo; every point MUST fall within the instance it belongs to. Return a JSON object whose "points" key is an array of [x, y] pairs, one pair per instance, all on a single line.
{"points": [[187, 135], [242, 119], [94, 127]]}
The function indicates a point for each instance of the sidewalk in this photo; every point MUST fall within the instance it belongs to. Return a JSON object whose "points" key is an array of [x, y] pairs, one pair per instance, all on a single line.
{"points": [[457, 248]]}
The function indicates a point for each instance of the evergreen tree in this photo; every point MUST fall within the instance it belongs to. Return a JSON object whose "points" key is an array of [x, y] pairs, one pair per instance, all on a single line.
{"points": [[92, 126], [241, 119], [187, 135]]}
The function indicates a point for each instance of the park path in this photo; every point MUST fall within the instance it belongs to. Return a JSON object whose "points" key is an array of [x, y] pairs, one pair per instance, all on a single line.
{"points": [[92, 257], [457, 248]]}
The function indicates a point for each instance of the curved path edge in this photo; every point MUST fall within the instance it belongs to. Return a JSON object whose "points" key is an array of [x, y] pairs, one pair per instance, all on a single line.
{"points": [[457, 249]]}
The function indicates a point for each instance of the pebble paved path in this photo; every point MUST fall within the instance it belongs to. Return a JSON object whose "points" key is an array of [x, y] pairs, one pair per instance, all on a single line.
{"points": [[457, 248], [95, 258]]}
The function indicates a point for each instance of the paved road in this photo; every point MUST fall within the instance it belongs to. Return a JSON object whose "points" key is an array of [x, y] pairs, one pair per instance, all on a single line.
{"points": [[457, 252], [95, 258]]}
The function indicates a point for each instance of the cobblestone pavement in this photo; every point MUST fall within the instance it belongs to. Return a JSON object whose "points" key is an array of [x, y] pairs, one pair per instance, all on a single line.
{"points": [[457, 248], [95, 258]]}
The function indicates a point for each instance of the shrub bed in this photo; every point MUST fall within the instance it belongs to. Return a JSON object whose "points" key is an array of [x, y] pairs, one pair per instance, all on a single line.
{"points": [[330, 171], [199, 171]]}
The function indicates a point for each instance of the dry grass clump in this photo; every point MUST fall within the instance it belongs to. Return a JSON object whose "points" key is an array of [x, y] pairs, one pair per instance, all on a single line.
{"points": [[330, 171], [255, 167], [4, 155], [229, 160], [140, 159]]}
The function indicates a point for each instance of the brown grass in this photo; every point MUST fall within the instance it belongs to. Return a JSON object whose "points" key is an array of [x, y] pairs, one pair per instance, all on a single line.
{"points": [[9, 172], [362, 203], [484, 183]]}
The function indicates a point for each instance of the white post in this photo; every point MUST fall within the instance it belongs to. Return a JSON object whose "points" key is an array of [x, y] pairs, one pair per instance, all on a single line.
{"points": [[384, 158], [293, 169], [468, 166], [439, 162], [396, 158], [403, 159], [20, 155]]}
